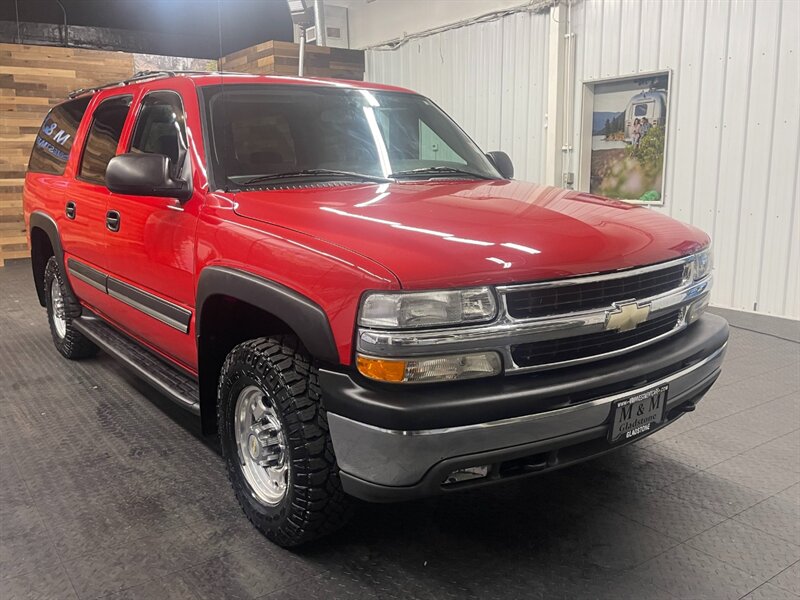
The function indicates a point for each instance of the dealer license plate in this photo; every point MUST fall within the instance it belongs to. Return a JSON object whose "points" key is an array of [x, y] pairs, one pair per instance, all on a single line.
{"points": [[637, 415]]}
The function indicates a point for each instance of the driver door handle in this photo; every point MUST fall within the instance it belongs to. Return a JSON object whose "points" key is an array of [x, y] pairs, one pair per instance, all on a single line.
{"points": [[70, 209], [113, 220]]}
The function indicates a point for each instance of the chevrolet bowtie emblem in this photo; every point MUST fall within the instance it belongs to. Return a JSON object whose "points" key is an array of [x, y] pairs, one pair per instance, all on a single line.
{"points": [[626, 316]]}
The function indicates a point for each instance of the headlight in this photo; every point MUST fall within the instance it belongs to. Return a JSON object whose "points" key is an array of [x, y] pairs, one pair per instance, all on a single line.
{"points": [[427, 309], [703, 264], [428, 370]]}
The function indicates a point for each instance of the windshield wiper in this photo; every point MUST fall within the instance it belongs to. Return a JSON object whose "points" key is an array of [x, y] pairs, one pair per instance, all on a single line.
{"points": [[438, 170], [315, 173]]}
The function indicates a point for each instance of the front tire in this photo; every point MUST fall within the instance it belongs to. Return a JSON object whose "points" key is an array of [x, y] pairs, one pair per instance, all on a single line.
{"points": [[275, 440], [62, 308]]}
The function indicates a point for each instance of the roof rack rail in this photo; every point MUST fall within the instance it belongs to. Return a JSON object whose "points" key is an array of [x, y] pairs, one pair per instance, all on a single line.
{"points": [[137, 77]]}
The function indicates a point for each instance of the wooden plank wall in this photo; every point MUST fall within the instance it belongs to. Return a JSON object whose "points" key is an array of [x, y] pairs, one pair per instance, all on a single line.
{"points": [[281, 58], [33, 79]]}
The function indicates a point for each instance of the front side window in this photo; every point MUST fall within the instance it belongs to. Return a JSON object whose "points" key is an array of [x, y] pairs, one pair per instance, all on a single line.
{"points": [[103, 139], [160, 128], [55, 137], [260, 132]]}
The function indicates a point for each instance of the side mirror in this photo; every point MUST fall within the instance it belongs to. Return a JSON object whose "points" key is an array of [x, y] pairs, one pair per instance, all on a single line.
{"points": [[502, 163], [145, 175]]}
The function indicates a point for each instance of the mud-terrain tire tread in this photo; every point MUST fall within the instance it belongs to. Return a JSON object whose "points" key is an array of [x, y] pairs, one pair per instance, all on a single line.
{"points": [[315, 504], [74, 345]]}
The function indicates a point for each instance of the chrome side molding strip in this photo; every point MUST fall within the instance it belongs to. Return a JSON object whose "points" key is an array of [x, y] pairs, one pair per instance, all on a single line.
{"points": [[153, 306], [168, 313], [87, 274]]}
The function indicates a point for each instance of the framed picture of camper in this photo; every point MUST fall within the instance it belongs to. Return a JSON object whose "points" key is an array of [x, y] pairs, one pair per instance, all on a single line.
{"points": [[624, 137]]}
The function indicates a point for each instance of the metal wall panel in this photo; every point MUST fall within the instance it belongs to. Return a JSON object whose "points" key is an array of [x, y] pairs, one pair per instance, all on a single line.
{"points": [[490, 77], [734, 131]]}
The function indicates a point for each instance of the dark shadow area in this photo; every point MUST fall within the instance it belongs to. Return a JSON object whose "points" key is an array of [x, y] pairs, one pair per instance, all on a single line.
{"points": [[190, 28], [178, 415]]}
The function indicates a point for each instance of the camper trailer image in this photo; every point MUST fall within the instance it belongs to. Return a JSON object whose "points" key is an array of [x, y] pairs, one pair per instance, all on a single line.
{"points": [[651, 104]]}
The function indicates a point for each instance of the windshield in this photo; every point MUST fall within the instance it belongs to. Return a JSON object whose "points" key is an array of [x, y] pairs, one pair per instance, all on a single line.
{"points": [[272, 134]]}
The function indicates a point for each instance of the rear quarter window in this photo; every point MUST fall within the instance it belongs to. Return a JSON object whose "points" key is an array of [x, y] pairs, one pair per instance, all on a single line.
{"points": [[55, 137]]}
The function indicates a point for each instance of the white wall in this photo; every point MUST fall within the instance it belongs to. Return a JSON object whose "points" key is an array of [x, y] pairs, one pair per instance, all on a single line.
{"points": [[382, 20], [490, 77], [733, 157], [734, 127]]}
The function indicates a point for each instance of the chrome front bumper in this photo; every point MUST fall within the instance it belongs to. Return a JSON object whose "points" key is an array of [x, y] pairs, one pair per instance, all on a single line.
{"points": [[384, 464]]}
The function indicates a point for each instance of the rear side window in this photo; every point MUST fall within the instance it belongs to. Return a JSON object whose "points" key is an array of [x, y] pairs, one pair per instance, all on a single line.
{"points": [[54, 140], [101, 143], [160, 128]]}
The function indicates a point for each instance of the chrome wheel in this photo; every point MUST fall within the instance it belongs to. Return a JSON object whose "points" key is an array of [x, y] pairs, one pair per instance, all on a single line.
{"points": [[57, 302], [261, 444]]}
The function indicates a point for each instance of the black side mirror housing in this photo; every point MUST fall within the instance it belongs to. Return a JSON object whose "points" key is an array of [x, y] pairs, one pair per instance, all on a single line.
{"points": [[502, 163], [145, 175]]}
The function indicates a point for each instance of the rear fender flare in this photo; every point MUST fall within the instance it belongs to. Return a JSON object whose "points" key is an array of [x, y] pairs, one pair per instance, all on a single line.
{"points": [[47, 224]]}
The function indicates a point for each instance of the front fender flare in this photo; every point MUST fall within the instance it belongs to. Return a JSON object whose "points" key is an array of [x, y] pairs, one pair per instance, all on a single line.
{"points": [[305, 317]]}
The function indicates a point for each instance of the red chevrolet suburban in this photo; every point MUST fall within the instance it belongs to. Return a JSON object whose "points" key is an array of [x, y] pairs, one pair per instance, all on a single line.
{"points": [[352, 295]]}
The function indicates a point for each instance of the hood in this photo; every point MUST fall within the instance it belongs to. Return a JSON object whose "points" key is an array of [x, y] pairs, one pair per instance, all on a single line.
{"points": [[455, 233]]}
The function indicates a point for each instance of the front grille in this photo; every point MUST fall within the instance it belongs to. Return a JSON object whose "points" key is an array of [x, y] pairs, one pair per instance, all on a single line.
{"points": [[559, 299], [593, 344]]}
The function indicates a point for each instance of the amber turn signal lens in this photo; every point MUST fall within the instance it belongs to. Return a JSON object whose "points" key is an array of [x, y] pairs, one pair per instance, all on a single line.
{"points": [[381, 369], [431, 368]]}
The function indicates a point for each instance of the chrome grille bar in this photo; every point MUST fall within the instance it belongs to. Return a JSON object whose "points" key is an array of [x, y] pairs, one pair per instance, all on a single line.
{"points": [[507, 332]]}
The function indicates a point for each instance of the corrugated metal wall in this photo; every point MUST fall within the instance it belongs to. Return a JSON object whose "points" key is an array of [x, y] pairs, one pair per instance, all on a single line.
{"points": [[490, 77], [733, 151], [733, 159]]}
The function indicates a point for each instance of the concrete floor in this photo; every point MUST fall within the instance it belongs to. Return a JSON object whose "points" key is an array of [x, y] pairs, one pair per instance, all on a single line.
{"points": [[107, 490]]}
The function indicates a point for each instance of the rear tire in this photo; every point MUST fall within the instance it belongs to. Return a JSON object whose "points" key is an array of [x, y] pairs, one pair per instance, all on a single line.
{"points": [[62, 308], [275, 440]]}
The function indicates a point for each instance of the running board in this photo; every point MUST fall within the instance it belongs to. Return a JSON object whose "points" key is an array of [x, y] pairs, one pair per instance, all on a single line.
{"points": [[174, 384]]}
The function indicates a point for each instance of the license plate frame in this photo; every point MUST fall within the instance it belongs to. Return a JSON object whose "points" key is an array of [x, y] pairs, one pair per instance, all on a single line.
{"points": [[647, 410]]}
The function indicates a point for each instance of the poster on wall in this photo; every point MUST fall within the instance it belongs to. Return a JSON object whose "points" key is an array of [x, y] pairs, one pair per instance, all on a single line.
{"points": [[628, 132]]}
